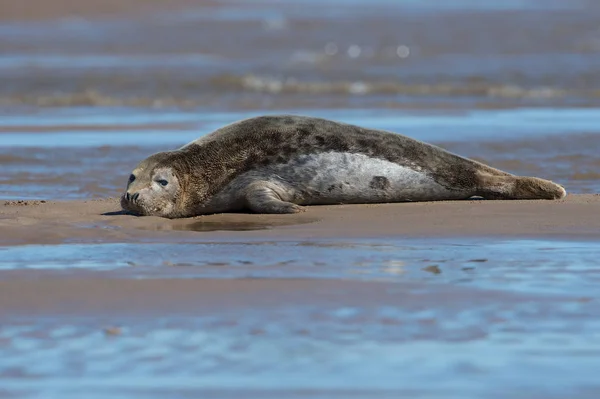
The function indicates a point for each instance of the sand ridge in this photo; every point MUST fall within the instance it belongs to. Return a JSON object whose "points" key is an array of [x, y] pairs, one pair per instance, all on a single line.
{"points": [[54, 222], [46, 10], [148, 297]]}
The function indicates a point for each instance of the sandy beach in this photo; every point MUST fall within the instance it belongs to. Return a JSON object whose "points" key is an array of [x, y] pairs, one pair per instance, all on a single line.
{"points": [[33, 222], [577, 217]]}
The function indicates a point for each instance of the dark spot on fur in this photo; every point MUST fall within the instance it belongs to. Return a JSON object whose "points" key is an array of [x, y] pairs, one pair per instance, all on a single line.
{"points": [[320, 140], [338, 143], [271, 151], [287, 150], [379, 183], [363, 143], [303, 133]]}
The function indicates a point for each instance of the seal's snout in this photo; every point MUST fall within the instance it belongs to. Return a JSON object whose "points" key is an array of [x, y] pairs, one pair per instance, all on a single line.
{"points": [[131, 197], [128, 203]]}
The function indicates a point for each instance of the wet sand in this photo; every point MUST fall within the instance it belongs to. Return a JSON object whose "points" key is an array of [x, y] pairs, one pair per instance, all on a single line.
{"points": [[577, 216], [32, 10], [102, 297], [31, 222]]}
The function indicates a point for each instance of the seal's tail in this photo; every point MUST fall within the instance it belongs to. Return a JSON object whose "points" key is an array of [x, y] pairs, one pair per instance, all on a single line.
{"points": [[517, 187]]}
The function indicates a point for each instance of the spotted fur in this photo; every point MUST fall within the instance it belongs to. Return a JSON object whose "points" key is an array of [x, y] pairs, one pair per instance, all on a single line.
{"points": [[273, 164]]}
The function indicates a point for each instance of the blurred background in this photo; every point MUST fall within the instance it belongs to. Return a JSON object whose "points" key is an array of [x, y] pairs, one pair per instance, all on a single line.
{"points": [[88, 88], [513, 83]]}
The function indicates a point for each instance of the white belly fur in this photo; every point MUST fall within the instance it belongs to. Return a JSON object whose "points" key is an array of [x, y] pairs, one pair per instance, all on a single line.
{"points": [[333, 177]]}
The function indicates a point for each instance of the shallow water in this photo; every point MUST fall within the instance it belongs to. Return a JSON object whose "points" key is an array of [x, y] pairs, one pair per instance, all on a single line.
{"points": [[346, 353], [480, 317], [262, 54], [314, 352], [531, 266]]}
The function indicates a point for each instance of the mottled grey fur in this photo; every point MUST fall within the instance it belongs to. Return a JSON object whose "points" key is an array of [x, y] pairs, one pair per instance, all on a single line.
{"points": [[273, 164]]}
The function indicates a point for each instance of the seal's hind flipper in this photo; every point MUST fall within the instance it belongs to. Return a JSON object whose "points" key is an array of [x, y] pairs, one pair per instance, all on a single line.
{"points": [[516, 187], [261, 198]]}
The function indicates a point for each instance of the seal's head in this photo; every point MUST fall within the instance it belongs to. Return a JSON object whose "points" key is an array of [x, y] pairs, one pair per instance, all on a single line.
{"points": [[154, 188]]}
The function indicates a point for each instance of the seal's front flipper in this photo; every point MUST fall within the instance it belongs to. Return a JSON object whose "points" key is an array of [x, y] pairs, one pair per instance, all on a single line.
{"points": [[261, 198], [516, 187]]}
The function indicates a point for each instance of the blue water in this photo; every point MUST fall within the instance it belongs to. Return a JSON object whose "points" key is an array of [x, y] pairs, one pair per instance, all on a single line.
{"points": [[449, 340], [480, 125], [539, 266], [479, 318], [337, 359], [276, 9], [53, 61]]}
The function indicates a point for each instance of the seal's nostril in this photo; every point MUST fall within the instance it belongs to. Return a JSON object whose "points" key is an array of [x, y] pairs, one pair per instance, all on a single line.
{"points": [[127, 196], [135, 196]]}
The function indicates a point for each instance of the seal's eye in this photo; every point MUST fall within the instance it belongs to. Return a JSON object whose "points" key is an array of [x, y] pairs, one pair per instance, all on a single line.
{"points": [[131, 178], [162, 182]]}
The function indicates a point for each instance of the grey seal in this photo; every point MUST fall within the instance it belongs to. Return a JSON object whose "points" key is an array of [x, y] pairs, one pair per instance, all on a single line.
{"points": [[276, 164]]}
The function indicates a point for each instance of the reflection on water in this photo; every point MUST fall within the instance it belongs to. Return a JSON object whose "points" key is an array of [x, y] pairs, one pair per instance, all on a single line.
{"points": [[233, 225], [521, 265], [327, 352]]}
